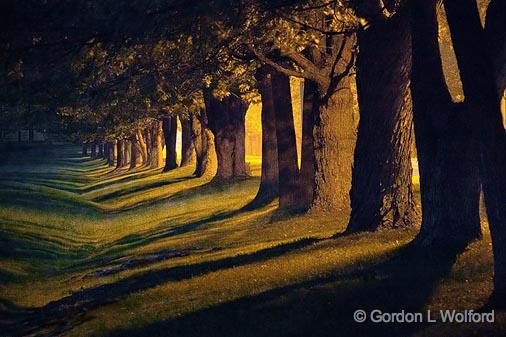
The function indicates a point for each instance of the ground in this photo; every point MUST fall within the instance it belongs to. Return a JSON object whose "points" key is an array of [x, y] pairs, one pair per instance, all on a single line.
{"points": [[88, 251]]}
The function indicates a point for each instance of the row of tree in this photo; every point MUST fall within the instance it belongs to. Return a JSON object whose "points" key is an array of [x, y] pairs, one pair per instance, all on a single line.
{"points": [[125, 71]]}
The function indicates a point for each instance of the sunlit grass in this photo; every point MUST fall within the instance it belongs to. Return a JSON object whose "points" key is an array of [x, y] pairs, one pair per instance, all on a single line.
{"points": [[178, 252]]}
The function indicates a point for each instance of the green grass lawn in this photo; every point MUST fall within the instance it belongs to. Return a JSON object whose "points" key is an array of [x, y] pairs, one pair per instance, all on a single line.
{"points": [[89, 251]]}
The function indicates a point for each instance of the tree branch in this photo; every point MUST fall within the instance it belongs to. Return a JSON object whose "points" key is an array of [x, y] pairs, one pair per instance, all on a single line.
{"points": [[281, 69]]}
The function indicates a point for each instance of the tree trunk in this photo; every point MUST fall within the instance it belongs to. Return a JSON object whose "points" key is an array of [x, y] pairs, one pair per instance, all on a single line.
{"points": [[111, 156], [142, 148], [226, 121], [128, 152], [446, 143], [147, 136], [477, 73], [155, 139], [306, 174], [288, 168], [495, 26], [100, 150], [119, 153], [134, 154], [170, 133], [381, 193], [84, 151], [93, 151], [269, 182], [334, 143], [187, 151], [203, 141], [334, 129], [105, 149]]}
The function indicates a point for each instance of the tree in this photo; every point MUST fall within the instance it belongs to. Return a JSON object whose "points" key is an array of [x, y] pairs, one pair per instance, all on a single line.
{"points": [[269, 180], [226, 121], [446, 141], [288, 169], [170, 132], [479, 84], [187, 148], [381, 193], [330, 51]]}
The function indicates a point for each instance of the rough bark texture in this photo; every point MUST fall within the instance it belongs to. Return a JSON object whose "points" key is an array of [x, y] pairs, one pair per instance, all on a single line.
{"points": [[119, 153], [334, 143], [226, 120], [479, 83], [110, 154], [306, 174], [134, 154], [203, 140], [187, 151], [268, 189], [334, 134], [155, 139], [446, 143], [381, 193], [125, 159], [142, 147], [170, 133], [287, 147]]}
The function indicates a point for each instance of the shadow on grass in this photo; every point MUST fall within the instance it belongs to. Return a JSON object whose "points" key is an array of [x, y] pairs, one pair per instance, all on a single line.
{"points": [[110, 260], [56, 317], [322, 306], [144, 187]]}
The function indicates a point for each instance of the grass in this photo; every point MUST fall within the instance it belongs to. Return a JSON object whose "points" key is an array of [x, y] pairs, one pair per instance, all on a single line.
{"points": [[89, 251]]}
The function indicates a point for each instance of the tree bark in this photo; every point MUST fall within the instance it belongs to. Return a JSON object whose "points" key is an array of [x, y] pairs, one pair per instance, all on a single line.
{"points": [[170, 132], [288, 167], [226, 121], [119, 153], [126, 153], [187, 151], [100, 150], [306, 174], [84, 151], [269, 181], [495, 26], [155, 139], [142, 148], [111, 156], [446, 143], [381, 193], [334, 143], [203, 140], [134, 154], [93, 153], [334, 132], [479, 84]]}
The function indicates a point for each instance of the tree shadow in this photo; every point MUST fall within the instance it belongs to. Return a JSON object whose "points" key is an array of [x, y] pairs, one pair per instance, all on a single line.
{"points": [[110, 259], [144, 187], [323, 306], [56, 317]]}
